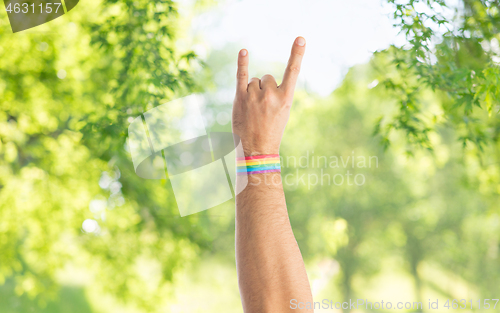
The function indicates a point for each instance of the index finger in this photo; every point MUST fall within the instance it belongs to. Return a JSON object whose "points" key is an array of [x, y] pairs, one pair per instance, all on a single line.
{"points": [[293, 67], [242, 74]]}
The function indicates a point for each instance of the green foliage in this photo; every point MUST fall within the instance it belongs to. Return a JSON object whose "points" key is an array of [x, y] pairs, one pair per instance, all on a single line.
{"points": [[453, 51], [67, 92]]}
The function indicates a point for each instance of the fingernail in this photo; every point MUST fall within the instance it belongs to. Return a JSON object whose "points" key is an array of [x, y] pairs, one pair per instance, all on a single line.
{"points": [[243, 52], [301, 41]]}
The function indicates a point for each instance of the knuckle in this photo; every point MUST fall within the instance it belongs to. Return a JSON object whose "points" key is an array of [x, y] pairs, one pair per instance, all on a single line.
{"points": [[299, 52], [252, 96], [294, 69], [268, 76], [269, 96], [241, 74]]}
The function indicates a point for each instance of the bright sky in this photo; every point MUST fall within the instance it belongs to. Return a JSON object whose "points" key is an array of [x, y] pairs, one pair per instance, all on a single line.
{"points": [[339, 33]]}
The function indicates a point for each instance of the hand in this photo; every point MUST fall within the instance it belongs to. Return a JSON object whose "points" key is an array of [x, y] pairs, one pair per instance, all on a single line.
{"points": [[261, 108]]}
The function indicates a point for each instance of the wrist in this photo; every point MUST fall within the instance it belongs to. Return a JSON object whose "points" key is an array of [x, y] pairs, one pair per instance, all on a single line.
{"points": [[258, 164], [253, 150], [256, 152], [256, 143]]}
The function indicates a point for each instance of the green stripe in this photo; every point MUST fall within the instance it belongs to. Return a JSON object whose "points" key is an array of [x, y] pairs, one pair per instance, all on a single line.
{"points": [[259, 168]]}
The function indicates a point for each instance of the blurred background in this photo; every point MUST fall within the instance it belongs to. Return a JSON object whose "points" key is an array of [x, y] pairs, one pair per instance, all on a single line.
{"points": [[411, 87]]}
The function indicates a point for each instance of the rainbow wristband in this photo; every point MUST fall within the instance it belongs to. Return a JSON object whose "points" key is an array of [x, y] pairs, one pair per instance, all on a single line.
{"points": [[258, 164]]}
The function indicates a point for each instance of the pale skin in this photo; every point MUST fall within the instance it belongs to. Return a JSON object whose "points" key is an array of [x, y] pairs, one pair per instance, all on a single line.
{"points": [[270, 268]]}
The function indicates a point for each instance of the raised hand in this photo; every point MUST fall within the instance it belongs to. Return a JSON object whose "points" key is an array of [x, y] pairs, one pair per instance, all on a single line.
{"points": [[261, 108]]}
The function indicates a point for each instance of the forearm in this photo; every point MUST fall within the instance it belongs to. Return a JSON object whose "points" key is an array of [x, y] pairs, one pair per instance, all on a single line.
{"points": [[269, 263], [270, 267]]}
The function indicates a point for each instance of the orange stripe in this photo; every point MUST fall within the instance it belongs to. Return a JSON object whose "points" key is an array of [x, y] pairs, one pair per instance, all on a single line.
{"points": [[269, 161]]}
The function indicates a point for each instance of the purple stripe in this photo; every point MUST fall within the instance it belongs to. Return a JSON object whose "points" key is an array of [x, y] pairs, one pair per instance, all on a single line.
{"points": [[259, 172]]}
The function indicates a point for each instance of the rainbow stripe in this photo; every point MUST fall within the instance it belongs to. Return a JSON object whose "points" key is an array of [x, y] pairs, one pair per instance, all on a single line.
{"points": [[258, 164]]}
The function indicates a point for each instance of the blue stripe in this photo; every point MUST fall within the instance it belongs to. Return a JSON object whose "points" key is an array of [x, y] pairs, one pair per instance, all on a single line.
{"points": [[261, 168]]}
